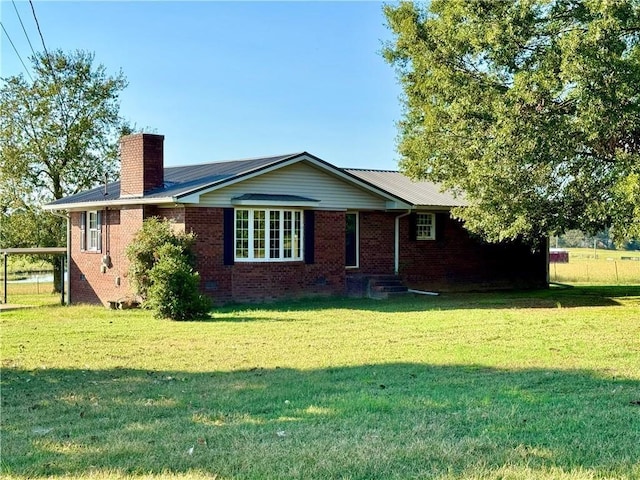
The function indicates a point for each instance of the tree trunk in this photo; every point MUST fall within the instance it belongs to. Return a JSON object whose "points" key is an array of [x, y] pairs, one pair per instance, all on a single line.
{"points": [[57, 274]]}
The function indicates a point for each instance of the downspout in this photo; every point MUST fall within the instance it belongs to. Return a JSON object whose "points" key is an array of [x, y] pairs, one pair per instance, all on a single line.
{"points": [[67, 217], [396, 252]]}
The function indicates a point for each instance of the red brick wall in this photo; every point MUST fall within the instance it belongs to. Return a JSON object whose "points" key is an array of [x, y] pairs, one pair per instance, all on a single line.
{"points": [[259, 281], [460, 261], [455, 261], [377, 237], [88, 284], [141, 163]]}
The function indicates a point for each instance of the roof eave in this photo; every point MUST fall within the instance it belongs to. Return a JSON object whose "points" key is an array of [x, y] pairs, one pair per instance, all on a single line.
{"points": [[121, 202]]}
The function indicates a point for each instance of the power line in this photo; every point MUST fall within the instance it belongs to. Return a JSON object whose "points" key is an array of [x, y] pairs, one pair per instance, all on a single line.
{"points": [[16, 50], [48, 62], [44, 46], [23, 29]]}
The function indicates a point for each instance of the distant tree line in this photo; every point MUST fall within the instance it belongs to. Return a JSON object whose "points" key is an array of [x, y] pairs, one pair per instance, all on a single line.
{"points": [[578, 239]]}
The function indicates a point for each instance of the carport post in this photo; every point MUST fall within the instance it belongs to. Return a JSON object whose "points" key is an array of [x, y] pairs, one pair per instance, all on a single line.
{"points": [[62, 280]]}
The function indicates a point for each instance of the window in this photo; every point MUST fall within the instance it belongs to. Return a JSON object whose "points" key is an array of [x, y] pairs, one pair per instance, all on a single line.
{"points": [[91, 231], [268, 235], [351, 240], [425, 226]]}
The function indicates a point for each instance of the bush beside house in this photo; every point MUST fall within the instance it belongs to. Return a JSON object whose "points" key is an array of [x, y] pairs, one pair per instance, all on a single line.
{"points": [[162, 274]]}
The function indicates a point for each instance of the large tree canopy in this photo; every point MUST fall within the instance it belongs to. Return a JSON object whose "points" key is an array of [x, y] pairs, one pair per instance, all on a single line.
{"points": [[530, 109], [58, 135]]}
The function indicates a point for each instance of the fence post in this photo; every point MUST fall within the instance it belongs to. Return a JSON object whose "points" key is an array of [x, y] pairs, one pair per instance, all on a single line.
{"points": [[587, 265], [4, 256]]}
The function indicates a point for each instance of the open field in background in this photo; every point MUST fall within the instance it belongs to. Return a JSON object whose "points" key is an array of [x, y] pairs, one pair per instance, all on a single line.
{"points": [[535, 385], [607, 267], [36, 294]]}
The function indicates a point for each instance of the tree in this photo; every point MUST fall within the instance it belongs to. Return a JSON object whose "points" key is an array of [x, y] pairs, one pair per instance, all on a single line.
{"points": [[529, 109], [58, 135], [161, 271]]}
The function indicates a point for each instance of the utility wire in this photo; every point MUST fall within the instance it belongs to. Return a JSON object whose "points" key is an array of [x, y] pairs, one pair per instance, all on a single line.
{"points": [[46, 53], [48, 63], [16, 50], [23, 29]]}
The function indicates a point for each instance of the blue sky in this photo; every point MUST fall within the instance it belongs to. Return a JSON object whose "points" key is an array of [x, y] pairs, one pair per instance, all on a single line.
{"points": [[227, 80]]}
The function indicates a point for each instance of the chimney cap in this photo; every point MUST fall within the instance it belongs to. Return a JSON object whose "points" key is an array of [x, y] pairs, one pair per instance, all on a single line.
{"points": [[143, 135]]}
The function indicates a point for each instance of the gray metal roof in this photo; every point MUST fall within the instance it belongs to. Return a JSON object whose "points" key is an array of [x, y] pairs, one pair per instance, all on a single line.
{"points": [[180, 181], [420, 193], [185, 180]]}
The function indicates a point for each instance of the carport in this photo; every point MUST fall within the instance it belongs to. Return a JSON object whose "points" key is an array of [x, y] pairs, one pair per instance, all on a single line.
{"points": [[62, 251]]}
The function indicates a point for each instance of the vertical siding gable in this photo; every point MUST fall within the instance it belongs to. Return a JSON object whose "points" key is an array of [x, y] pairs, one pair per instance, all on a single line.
{"points": [[300, 179]]}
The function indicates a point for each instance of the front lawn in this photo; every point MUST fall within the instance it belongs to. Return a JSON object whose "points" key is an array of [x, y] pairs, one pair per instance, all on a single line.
{"points": [[537, 385]]}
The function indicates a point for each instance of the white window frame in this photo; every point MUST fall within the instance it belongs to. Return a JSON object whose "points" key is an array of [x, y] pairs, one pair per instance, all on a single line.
{"points": [[426, 226], [92, 242], [259, 246]]}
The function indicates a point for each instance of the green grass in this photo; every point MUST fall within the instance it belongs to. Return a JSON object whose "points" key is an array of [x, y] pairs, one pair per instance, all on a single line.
{"points": [[605, 267], [536, 385], [33, 294]]}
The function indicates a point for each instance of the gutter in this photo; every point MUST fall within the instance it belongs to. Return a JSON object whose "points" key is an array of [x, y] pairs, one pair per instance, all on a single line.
{"points": [[127, 201], [396, 249]]}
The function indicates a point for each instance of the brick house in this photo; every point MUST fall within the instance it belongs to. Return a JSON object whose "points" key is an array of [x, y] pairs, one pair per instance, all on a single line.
{"points": [[284, 226]]}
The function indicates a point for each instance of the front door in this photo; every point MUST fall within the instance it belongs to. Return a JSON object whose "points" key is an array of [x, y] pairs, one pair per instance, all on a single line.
{"points": [[351, 242]]}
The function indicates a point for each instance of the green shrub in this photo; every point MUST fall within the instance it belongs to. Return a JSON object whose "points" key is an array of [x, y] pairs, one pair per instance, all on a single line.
{"points": [[143, 251], [161, 271], [173, 291]]}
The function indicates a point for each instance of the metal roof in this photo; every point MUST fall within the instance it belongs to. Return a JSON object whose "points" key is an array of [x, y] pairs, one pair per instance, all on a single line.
{"points": [[34, 250], [419, 193], [179, 182]]}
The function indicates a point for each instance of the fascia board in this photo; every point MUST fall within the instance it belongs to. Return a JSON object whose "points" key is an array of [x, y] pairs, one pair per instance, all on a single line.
{"points": [[124, 202]]}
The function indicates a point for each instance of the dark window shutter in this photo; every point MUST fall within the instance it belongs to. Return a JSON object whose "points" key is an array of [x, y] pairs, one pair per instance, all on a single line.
{"points": [[228, 233], [413, 226], [83, 231], [99, 226], [309, 236], [441, 222]]}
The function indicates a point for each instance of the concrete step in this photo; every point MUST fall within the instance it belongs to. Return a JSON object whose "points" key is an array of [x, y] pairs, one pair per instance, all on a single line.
{"points": [[384, 286], [389, 288]]}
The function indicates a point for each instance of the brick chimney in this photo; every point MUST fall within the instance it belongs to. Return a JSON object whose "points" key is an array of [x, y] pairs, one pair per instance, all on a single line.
{"points": [[141, 164]]}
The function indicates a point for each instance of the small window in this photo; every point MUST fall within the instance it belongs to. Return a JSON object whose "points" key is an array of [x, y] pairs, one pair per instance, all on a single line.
{"points": [[91, 231], [425, 226]]}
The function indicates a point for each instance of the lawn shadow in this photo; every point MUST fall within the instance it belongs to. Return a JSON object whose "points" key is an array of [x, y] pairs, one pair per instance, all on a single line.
{"points": [[557, 296], [370, 421]]}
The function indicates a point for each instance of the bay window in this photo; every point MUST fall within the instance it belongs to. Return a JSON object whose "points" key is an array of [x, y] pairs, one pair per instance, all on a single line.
{"points": [[270, 234]]}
